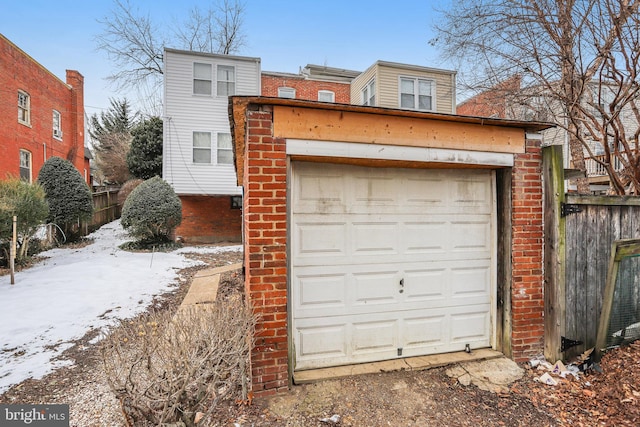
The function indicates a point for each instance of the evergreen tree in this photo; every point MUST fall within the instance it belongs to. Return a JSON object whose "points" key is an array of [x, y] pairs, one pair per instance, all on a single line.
{"points": [[152, 211], [145, 155], [67, 194]]}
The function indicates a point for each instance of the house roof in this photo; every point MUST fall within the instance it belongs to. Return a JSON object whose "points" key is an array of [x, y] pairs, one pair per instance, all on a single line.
{"points": [[238, 106], [212, 55], [412, 67]]}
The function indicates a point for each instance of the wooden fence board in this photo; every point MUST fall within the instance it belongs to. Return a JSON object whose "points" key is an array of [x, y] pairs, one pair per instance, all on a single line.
{"points": [[589, 235]]}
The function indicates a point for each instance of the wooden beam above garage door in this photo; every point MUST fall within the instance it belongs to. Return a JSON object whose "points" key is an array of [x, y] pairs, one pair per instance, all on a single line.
{"points": [[345, 126]]}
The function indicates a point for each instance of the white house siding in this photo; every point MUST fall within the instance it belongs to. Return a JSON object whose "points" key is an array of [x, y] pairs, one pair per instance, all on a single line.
{"points": [[185, 113]]}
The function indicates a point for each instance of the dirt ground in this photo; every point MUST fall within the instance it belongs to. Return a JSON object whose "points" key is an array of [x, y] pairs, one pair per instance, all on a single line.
{"points": [[424, 398]]}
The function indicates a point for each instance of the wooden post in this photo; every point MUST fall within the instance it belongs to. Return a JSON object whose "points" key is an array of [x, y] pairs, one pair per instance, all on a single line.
{"points": [[12, 256], [554, 252]]}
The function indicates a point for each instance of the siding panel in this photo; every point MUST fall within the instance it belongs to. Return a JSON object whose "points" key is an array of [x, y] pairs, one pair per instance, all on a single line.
{"points": [[185, 113]]}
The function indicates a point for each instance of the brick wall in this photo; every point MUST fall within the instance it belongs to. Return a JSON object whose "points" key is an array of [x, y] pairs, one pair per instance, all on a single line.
{"points": [[527, 299], [305, 89], [18, 71], [209, 219], [265, 237], [265, 251]]}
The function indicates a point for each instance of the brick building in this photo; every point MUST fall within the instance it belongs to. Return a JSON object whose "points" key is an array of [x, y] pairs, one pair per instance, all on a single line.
{"points": [[40, 115], [313, 83], [375, 234]]}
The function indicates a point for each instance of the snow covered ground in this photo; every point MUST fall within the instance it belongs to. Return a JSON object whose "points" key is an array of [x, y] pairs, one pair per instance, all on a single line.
{"points": [[75, 290]]}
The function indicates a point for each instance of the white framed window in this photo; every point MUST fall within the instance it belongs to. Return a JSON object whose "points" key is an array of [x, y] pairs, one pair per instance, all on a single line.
{"points": [[226, 80], [201, 79], [286, 92], [57, 125], [201, 147], [326, 96], [225, 149], [416, 94], [368, 93], [25, 165], [24, 108]]}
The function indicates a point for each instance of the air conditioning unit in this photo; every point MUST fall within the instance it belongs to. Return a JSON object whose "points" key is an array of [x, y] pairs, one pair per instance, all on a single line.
{"points": [[57, 133]]}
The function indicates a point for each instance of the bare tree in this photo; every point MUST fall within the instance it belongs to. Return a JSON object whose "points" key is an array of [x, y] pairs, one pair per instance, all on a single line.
{"points": [[111, 139], [559, 48], [136, 45], [217, 30]]}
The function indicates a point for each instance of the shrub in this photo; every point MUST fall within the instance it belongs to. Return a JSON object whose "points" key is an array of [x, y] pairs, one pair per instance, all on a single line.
{"points": [[68, 196], [144, 158], [152, 211], [166, 370], [126, 189], [27, 202]]}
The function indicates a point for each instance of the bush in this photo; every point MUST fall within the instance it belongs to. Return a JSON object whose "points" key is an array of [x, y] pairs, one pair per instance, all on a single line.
{"points": [[166, 369], [126, 189], [27, 202], [144, 158], [67, 194], [152, 211]]}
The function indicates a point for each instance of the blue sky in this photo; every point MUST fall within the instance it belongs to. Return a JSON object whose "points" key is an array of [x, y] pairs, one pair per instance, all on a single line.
{"points": [[285, 34]]}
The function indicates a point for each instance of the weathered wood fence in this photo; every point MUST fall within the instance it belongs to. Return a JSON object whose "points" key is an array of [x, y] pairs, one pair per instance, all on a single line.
{"points": [[579, 232], [105, 209], [590, 233]]}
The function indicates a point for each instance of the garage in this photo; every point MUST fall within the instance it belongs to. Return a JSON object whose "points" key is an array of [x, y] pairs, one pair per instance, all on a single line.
{"points": [[372, 235], [390, 262]]}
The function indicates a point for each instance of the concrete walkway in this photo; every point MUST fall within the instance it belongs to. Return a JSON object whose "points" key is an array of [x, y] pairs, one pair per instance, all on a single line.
{"points": [[204, 287]]}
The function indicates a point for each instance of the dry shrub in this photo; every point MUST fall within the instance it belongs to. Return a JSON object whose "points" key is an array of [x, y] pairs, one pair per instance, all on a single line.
{"points": [[126, 189], [167, 369]]}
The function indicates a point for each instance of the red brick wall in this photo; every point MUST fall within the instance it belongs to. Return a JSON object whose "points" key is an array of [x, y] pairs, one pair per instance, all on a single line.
{"points": [[18, 71], [305, 89], [527, 299], [265, 234], [265, 240], [209, 219]]}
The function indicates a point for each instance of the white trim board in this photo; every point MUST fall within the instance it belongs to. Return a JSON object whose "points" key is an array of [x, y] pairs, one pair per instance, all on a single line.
{"points": [[302, 147]]}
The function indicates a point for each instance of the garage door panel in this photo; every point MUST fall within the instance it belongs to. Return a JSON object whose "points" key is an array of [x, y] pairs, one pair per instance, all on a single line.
{"points": [[320, 239], [370, 190], [471, 235], [375, 336], [321, 292], [371, 238], [319, 342], [425, 330], [471, 325], [396, 261], [471, 282], [375, 288]]}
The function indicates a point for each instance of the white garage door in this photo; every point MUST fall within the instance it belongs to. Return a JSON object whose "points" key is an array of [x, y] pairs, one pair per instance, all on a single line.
{"points": [[389, 262]]}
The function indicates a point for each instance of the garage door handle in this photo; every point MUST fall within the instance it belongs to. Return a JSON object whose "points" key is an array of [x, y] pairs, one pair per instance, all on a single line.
{"points": [[401, 286]]}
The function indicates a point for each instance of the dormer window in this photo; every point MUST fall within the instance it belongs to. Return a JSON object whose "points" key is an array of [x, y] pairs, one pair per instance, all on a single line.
{"points": [[416, 94]]}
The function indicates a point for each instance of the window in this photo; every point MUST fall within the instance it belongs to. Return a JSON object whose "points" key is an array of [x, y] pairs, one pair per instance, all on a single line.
{"points": [[201, 147], [286, 92], [225, 149], [326, 96], [57, 127], [25, 165], [201, 79], [416, 94], [236, 202], [226, 80], [369, 94], [24, 108]]}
